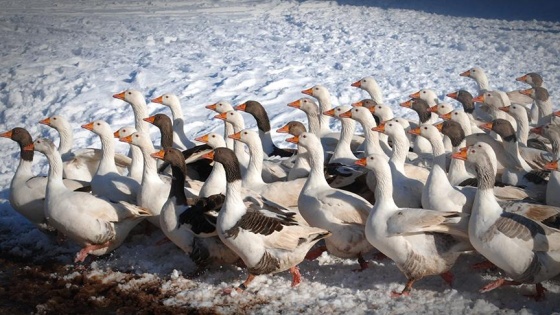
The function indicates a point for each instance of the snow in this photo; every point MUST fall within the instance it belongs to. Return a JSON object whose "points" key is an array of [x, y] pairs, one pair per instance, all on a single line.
{"points": [[70, 57]]}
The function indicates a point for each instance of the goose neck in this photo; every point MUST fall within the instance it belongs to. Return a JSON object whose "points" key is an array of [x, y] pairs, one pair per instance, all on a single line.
{"points": [[107, 162], [66, 140], [253, 176], [400, 148], [371, 137]]}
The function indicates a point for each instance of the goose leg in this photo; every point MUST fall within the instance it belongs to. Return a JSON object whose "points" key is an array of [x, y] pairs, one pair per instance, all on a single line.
{"points": [[363, 264], [539, 295], [312, 254], [405, 291], [498, 283], [241, 287], [296, 276], [88, 249]]}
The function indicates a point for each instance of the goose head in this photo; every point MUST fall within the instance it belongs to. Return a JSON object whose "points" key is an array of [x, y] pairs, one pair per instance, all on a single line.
{"points": [[465, 98], [480, 153], [227, 158], [427, 131], [491, 98], [475, 73], [98, 127], [233, 117], [257, 110], [357, 113], [318, 91], [124, 132], [502, 127], [220, 107], [427, 95], [167, 99], [212, 139], [57, 122], [305, 104], [337, 111], [43, 145], [517, 111], [368, 103], [391, 127], [172, 156], [160, 121], [247, 136], [441, 108], [133, 97], [453, 131], [306, 140], [537, 93], [138, 139], [366, 83], [532, 78], [375, 162], [295, 128], [19, 135]]}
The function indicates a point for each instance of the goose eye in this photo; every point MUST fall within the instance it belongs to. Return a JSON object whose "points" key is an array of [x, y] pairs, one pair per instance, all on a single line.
{"points": [[304, 137], [38, 141], [213, 136], [456, 114], [129, 93], [473, 70], [245, 133], [425, 128], [391, 125], [364, 81], [137, 136], [167, 96], [480, 146], [99, 124], [423, 92], [54, 118], [124, 130], [371, 158], [316, 89]]}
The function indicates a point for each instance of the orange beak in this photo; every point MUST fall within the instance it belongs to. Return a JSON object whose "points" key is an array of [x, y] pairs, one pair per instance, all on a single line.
{"points": [[487, 126], [551, 166], [526, 92], [504, 108], [347, 114], [380, 128], [446, 116], [295, 104], [159, 154], [202, 139], [28, 147], [358, 104], [221, 116], [415, 95], [127, 139], [240, 107], [522, 78], [329, 112], [7, 134], [415, 131], [479, 99], [46, 121], [407, 104], [466, 73], [116, 134], [120, 96], [284, 129], [88, 126], [235, 136], [211, 106], [309, 91], [536, 130], [150, 119], [453, 95], [433, 109], [556, 113], [461, 155], [357, 84], [209, 156], [361, 162], [158, 100], [439, 126], [294, 139]]}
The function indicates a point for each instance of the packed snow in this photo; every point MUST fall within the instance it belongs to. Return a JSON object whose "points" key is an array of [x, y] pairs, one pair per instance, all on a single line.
{"points": [[69, 58]]}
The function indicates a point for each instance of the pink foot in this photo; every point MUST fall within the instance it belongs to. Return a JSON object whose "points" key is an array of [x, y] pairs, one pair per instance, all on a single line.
{"points": [[395, 294], [496, 284], [313, 254], [296, 276], [81, 256]]}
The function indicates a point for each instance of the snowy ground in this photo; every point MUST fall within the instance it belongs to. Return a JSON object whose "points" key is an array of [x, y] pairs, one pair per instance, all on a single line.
{"points": [[70, 57]]}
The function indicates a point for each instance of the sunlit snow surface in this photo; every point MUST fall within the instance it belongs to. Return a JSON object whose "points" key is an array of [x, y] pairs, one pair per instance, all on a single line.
{"points": [[69, 58]]}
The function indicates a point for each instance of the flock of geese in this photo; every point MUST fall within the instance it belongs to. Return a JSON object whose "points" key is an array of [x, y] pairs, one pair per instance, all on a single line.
{"points": [[421, 193]]}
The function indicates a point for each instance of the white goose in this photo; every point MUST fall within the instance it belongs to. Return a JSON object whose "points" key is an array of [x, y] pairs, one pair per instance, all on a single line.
{"points": [[138, 104], [236, 120], [372, 142], [494, 100], [526, 250], [94, 223], [222, 107], [340, 212], [267, 239], [369, 85], [215, 183], [300, 166], [180, 140], [80, 164], [406, 234], [543, 102], [107, 182], [283, 193], [136, 167], [324, 98], [27, 191], [343, 152], [533, 79]]}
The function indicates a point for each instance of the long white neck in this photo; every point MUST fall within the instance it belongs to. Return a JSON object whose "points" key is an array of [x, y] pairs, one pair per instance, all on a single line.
{"points": [[316, 161], [137, 165], [239, 148], [266, 139], [324, 120], [253, 176], [150, 164], [234, 207], [372, 137], [545, 111], [228, 130], [384, 189], [374, 92], [482, 82], [140, 112], [522, 128], [55, 181], [66, 139], [107, 163], [179, 136], [343, 149], [512, 149], [400, 149], [465, 121], [457, 171], [314, 124]]}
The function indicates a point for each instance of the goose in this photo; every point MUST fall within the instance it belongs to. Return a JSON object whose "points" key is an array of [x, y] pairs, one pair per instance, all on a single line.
{"points": [[465, 98], [300, 166], [324, 98], [483, 112], [236, 120], [215, 183], [369, 85], [80, 164], [533, 79], [343, 152], [457, 172], [435, 106], [153, 189], [417, 251], [199, 169], [99, 226], [494, 101], [519, 112], [27, 191], [431, 99], [420, 145], [263, 124], [170, 100], [552, 132], [543, 103], [338, 211], [409, 183], [222, 107], [283, 193], [198, 238], [380, 113], [525, 249], [136, 165], [372, 142], [139, 107], [268, 239], [107, 182]]}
